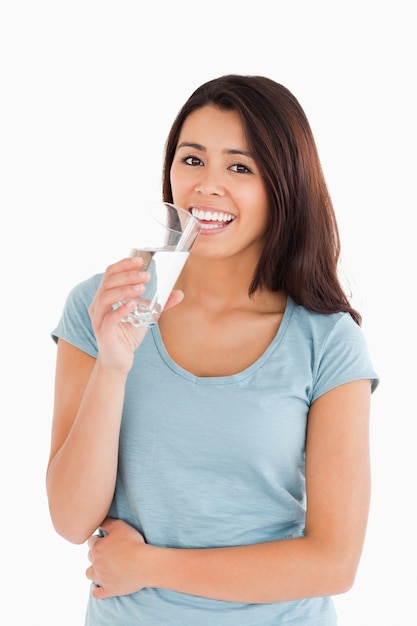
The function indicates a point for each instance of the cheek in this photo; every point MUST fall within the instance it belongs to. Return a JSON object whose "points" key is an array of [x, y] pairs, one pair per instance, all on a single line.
{"points": [[178, 183], [261, 218], [256, 201]]}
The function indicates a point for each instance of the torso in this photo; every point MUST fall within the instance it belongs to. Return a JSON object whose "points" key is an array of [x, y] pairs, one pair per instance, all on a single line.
{"points": [[222, 343]]}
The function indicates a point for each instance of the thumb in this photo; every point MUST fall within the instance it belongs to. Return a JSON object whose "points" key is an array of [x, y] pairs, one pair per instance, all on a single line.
{"points": [[176, 297]]}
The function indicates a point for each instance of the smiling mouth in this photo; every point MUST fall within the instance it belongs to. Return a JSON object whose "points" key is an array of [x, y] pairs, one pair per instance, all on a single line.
{"points": [[210, 220]]}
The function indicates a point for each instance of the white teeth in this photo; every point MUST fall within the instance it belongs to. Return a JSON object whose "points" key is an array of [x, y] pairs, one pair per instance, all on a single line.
{"points": [[210, 226], [212, 216]]}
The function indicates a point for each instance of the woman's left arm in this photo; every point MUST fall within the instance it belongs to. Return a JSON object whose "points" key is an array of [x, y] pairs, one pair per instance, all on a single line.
{"points": [[322, 563]]}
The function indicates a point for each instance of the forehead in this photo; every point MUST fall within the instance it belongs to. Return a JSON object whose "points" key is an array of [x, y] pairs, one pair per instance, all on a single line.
{"points": [[212, 126]]}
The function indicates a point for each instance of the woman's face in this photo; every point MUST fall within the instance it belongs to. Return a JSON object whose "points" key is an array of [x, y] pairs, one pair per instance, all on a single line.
{"points": [[214, 176]]}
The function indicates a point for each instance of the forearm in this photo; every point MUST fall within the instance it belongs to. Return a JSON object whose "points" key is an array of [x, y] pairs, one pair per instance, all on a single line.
{"points": [[81, 476], [270, 572]]}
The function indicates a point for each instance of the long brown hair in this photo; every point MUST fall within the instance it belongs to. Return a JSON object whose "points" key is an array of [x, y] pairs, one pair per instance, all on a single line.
{"points": [[302, 246]]}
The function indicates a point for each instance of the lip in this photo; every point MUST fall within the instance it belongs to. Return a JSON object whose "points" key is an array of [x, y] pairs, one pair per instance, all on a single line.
{"points": [[212, 226]]}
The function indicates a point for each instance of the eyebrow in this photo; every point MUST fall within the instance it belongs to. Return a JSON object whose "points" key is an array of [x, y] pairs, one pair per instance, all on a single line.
{"points": [[201, 148]]}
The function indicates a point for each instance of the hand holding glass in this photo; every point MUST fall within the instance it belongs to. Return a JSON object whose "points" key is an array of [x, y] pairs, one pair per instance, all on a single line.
{"points": [[166, 235]]}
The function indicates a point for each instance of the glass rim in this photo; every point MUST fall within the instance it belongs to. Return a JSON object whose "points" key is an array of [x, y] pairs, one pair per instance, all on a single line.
{"points": [[190, 218]]}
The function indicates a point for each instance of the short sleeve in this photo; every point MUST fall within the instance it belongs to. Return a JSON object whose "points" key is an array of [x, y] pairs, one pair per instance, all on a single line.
{"points": [[343, 358], [74, 325]]}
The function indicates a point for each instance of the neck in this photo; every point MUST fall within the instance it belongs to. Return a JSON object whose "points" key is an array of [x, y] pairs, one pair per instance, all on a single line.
{"points": [[222, 284]]}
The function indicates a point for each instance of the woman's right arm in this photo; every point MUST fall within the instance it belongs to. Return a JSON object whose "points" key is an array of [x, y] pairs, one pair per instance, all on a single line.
{"points": [[82, 467], [89, 396]]}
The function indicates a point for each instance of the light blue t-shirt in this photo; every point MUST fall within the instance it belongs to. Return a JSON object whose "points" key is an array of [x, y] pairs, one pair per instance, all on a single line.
{"points": [[219, 461]]}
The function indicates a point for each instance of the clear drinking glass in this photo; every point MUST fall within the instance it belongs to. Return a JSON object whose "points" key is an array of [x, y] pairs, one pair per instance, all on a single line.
{"points": [[165, 237]]}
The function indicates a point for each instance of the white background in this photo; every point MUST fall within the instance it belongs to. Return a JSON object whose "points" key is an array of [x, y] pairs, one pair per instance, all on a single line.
{"points": [[88, 93]]}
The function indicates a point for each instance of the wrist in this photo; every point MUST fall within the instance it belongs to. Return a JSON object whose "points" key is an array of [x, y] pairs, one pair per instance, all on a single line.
{"points": [[157, 567], [108, 369]]}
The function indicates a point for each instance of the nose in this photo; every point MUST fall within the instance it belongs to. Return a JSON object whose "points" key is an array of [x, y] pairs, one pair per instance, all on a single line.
{"points": [[209, 183]]}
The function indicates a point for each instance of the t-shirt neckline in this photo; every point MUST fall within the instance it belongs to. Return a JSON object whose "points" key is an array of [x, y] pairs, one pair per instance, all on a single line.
{"points": [[232, 378]]}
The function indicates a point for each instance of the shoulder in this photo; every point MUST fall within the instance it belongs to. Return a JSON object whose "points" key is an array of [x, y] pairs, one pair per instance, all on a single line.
{"points": [[75, 324], [323, 327], [336, 346], [84, 291]]}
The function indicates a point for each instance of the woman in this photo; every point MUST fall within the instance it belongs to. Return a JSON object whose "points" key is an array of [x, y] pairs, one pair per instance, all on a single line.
{"points": [[224, 453]]}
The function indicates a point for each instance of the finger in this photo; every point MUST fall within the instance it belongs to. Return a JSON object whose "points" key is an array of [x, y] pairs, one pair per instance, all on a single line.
{"points": [[122, 308], [116, 293], [124, 265], [89, 572], [91, 540], [124, 280], [121, 281], [98, 592], [107, 524], [176, 297], [124, 272]]}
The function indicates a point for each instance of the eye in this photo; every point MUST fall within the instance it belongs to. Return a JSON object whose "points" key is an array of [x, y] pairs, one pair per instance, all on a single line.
{"points": [[192, 160], [239, 168]]}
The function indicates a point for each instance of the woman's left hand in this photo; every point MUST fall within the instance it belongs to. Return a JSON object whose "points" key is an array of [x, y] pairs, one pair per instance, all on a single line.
{"points": [[115, 560]]}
